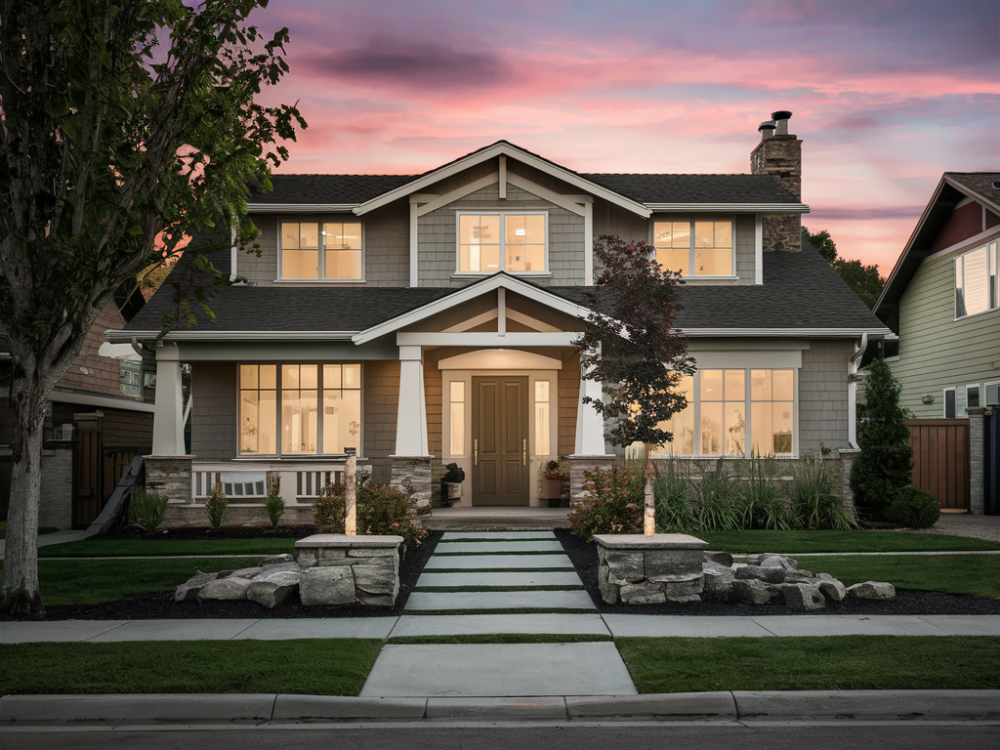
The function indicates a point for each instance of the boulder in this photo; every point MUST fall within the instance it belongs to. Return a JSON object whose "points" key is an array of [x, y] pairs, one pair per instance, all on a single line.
{"points": [[285, 567], [719, 558], [225, 589], [801, 596], [798, 576], [642, 593], [768, 575], [754, 591], [777, 561], [833, 589], [718, 584], [276, 560], [327, 585], [872, 590], [241, 573], [272, 589], [189, 590], [609, 591]]}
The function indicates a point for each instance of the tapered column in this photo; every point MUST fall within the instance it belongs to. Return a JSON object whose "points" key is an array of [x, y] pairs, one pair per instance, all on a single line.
{"points": [[589, 422], [168, 407], [411, 417]]}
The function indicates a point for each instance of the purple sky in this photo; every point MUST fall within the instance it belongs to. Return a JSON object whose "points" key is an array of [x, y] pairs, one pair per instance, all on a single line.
{"points": [[886, 94]]}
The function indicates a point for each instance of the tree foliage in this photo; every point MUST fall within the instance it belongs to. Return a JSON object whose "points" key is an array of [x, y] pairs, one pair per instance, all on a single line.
{"points": [[865, 280], [125, 125], [885, 464]]}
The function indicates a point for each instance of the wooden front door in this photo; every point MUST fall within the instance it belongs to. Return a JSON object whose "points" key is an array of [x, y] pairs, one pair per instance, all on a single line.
{"points": [[500, 441]]}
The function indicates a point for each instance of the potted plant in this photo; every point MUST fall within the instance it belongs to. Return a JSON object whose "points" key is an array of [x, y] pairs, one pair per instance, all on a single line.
{"points": [[552, 479]]}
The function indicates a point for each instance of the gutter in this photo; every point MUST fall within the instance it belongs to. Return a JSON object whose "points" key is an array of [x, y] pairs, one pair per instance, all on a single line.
{"points": [[852, 390], [738, 208]]}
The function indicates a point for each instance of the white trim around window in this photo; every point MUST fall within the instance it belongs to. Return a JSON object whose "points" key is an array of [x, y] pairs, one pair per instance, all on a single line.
{"points": [[991, 393], [501, 264], [977, 280], [321, 249], [663, 251]]}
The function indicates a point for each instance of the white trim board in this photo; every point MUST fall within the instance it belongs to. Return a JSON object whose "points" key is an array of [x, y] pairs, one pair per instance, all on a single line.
{"points": [[299, 208]]}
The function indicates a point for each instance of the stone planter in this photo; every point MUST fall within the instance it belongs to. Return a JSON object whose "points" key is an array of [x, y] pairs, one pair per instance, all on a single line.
{"points": [[338, 569], [638, 569]]}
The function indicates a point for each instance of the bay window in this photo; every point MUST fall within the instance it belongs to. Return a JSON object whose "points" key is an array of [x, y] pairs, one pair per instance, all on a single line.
{"points": [[299, 409], [327, 250], [513, 242], [695, 247], [977, 280]]}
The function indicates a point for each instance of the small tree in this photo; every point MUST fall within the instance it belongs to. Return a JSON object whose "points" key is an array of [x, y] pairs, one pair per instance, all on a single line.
{"points": [[629, 345], [885, 464]]}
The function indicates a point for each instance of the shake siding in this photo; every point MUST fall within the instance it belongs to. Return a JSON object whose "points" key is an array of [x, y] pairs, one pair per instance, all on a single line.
{"points": [[433, 395], [746, 254], [127, 429], [823, 396], [380, 394], [213, 416], [935, 350], [569, 394], [261, 271]]}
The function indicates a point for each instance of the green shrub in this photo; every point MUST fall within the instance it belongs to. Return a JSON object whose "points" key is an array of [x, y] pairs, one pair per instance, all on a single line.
{"points": [[717, 505], [914, 508], [381, 510], [615, 504], [217, 507], [762, 504], [817, 505], [146, 509], [275, 507], [670, 490]]}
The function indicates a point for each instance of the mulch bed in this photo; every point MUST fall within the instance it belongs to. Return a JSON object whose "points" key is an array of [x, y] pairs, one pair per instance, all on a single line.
{"points": [[906, 602], [207, 532], [160, 605]]}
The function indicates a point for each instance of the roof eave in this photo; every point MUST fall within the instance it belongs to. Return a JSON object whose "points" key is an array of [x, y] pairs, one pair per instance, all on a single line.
{"points": [[737, 208], [783, 332], [298, 208], [205, 335]]}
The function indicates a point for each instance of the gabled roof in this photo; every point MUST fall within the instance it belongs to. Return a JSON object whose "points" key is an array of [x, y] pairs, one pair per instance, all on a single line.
{"points": [[951, 190], [696, 188]]}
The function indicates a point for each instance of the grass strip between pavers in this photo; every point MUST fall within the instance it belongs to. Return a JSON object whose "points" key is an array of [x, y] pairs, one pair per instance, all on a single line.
{"points": [[511, 611], [498, 553], [500, 570], [452, 589], [501, 638], [978, 575], [311, 667], [167, 547], [853, 662], [780, 542]]}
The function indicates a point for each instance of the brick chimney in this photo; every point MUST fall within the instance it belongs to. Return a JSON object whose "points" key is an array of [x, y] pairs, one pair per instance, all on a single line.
{"points": [[780, 155]]}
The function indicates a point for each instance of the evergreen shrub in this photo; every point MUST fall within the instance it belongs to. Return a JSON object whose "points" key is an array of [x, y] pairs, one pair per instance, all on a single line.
{"points": [[914, 508]]}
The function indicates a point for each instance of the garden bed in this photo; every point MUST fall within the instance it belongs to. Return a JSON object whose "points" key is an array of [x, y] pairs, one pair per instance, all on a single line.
{"points": [[906, 602]]}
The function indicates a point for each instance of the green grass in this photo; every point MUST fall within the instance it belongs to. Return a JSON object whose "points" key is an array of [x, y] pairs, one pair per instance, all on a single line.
{"points": [[978, 575], [677, 665], [96, 581], [756, 542], [41, 530], [451, 589], [167, 547], [500, 638], [314, 667]]}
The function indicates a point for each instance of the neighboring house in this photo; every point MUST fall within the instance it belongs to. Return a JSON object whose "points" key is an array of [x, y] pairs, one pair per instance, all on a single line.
{"points": [[423, 320], [98, 418]]}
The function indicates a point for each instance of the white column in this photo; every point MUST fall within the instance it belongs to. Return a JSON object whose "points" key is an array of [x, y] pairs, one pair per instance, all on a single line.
{"points": [[588, 244], [411, 416], [168, 408], [414, 244], [589, 423]]}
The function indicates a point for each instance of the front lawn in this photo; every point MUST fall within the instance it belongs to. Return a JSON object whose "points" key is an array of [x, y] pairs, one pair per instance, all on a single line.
{"points": [[95, 581], [785, 542], [978, 575], [41, 530], [311, 667], [167, 547], [678, 665]]}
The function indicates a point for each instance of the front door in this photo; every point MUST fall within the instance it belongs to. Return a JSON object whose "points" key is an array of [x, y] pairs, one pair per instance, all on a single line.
{"points": [[500, 440]]}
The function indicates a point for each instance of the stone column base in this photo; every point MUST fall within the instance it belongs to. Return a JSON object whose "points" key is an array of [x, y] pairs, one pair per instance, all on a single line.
{"points": [[638, 569], [578, 464], [847, 456], [412, 476], [338, 569], [170, 476], [977, 458]]}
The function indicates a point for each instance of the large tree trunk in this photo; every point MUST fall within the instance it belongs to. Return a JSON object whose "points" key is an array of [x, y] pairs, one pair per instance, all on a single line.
{"points": [[20, 596]]}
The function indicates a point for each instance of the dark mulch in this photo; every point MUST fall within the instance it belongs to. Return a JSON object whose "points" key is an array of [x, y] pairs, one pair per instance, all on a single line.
{"points": [[207, 532], [160, 605], [906, 602]]}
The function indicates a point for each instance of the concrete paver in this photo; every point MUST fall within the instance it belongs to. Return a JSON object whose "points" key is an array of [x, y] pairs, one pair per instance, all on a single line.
{"points": [[500, 600], [473, 562], [540, 545], [525, 578], [422, 625], [680, 626], [328, 627], [174, 630], [59, 631], [537, 669]]}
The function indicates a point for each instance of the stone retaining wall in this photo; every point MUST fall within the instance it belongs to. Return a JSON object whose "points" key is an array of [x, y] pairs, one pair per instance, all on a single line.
{"points": [[638, 569], [338, 569], [412, 474]]}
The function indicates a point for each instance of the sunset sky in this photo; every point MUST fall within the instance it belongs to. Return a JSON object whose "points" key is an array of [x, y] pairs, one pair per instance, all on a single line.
{"points": [[886, 94]]}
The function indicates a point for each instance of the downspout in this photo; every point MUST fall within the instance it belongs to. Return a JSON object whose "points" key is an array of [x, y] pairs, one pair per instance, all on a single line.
{"points": [[852, 391]]}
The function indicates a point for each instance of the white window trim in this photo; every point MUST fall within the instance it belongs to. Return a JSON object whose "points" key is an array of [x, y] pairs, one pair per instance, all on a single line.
{"points": [[692, 249], [944, 402], [503, 245], [979, 391], [279, 456], [321, 250], [985, 388], [991, 260]]}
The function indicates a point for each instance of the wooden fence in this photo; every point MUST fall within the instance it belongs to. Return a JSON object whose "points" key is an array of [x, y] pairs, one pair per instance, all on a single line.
{"points": [[941, 460]]}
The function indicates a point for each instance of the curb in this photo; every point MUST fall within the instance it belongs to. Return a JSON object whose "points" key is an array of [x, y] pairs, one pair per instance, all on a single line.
{"points": [[741, 706]]}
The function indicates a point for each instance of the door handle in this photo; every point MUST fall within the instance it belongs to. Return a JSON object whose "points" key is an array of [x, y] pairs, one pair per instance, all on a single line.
{"points": [[524, 447], [475, 452]]}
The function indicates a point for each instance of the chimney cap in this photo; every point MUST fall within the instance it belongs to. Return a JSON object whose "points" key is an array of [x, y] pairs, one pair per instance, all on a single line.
{"points": [[781, 115], [768, 125]]}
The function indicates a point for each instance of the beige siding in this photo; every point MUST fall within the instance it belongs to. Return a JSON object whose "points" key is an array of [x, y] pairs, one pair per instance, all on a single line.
{"points": [[261, 271], [381, 400], [935, 350], [213, 416], [434, 400], [569, 395], [746, 252], [823, 396]]}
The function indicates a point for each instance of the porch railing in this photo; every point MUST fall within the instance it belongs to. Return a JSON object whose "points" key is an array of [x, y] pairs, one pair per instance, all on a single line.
{"points": [[249, 481]]}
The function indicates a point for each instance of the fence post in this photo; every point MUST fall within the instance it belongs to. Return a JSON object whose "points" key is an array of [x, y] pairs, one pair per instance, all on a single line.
{"points": [[977, 454]]}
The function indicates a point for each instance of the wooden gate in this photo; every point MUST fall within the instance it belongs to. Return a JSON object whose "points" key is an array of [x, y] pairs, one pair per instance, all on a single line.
{"points": [[96, 471], [941, 460]]}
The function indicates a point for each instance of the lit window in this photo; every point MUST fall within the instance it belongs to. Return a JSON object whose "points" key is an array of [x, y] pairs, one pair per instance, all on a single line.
{"points": [[977, 281], [695, 248], [491, 242], [457, 418], [331, 250], [542, 427]]}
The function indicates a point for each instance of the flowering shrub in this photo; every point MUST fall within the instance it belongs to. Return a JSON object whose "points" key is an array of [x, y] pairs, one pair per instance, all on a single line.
{"points": [[615, 505], [381, 510], [217, 507]]}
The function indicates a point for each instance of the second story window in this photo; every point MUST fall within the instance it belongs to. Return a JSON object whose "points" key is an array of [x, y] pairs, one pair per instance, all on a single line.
{"points": [[977, 281], [512, 242], [695, 248], [314, 251]]}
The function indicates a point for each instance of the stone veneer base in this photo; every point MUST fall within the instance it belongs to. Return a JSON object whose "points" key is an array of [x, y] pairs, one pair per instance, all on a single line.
{"points": [[639, 569], [338, 569]]}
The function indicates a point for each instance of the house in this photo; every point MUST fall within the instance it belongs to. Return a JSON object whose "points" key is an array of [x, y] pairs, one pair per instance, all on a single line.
{"points": [[421, 320], [98, 418], [942, 301]]}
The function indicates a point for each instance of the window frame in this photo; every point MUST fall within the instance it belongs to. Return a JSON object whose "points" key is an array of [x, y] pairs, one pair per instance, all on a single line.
{"points": [[992, 272], [692, 250], [503, 214], [320, 411], [944, 402], [986, 392], [321, 250]]}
